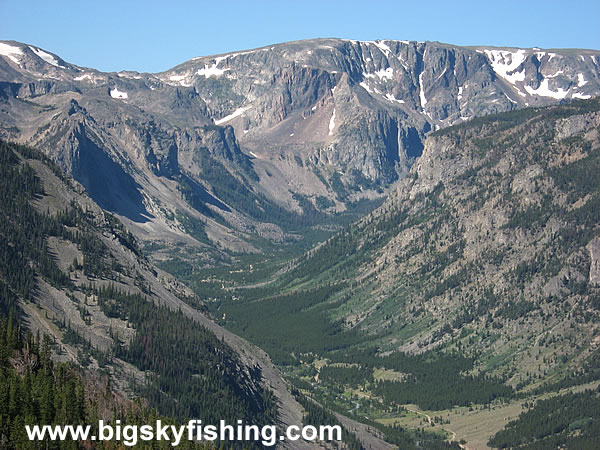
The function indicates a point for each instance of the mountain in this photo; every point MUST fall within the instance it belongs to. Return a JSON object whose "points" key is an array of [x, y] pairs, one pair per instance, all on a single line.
{"points": [[469, 296], [240, 152], [73, 276], [497, 217], [475, 283], [90, 329]]}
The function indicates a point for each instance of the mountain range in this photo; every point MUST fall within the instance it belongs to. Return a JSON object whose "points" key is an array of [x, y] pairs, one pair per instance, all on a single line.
{"points": [[401, 226], [230, 152]]}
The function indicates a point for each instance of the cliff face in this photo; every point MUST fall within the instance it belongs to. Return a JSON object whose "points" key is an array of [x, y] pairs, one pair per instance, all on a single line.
{"points": [[303, 125]]}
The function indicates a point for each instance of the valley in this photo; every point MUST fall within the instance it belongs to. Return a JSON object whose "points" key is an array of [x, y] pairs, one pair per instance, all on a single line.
{"points": [[342, 318]]}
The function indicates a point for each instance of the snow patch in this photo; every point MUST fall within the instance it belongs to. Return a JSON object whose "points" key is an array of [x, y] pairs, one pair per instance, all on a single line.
{"points": [[381, 46], [580, 96], [332, 123], [387, 74], [581, 81], [212, 71], [521, 93], [393, 99], [218, 59], [252, 153], [505, 63], [46, 57], [555, 75], [460, 91], [86, 76], [115, 93], [233, 115], [545, 91], [366, 87], [131, 77], [441, 74], [510, 99], [421, 91], [12, 53], [291, 134], [181, 80]]}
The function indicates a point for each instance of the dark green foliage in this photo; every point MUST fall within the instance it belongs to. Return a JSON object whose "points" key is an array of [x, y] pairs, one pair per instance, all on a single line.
{"points": [[23, 231], [316, 415], [579, 177], [197, 375], [442, 390], [338, 187], [194, 227], [569, 421], [46, 393], [412, 439], [433, 380], [507, 120], [353, 376], [514, 310], [399, 436], [324, 202], [590, 371], [290, 323]]}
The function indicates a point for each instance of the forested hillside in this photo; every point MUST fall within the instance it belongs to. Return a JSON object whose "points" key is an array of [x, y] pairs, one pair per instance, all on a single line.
{"points": [[475, 283], [202, 378]]}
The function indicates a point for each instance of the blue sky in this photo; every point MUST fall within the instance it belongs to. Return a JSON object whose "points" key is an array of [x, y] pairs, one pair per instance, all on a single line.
{"points": [[156, 35]]}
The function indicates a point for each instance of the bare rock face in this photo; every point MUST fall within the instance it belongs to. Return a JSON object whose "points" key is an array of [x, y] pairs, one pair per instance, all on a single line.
{"points": [[594, 248], [301, 126]]}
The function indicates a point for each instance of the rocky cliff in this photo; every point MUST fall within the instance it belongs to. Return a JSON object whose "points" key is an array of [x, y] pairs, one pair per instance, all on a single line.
{"points": [[225, 148]]}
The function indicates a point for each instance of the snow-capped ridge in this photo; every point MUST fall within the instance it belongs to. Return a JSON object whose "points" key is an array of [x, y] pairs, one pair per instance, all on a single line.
{"points": [[211, 71], [505, 63], [46, 57], [11, 52]]}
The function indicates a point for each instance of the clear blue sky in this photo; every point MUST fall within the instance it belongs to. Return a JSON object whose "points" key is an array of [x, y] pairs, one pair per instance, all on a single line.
{"points": [[156, 35]]}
